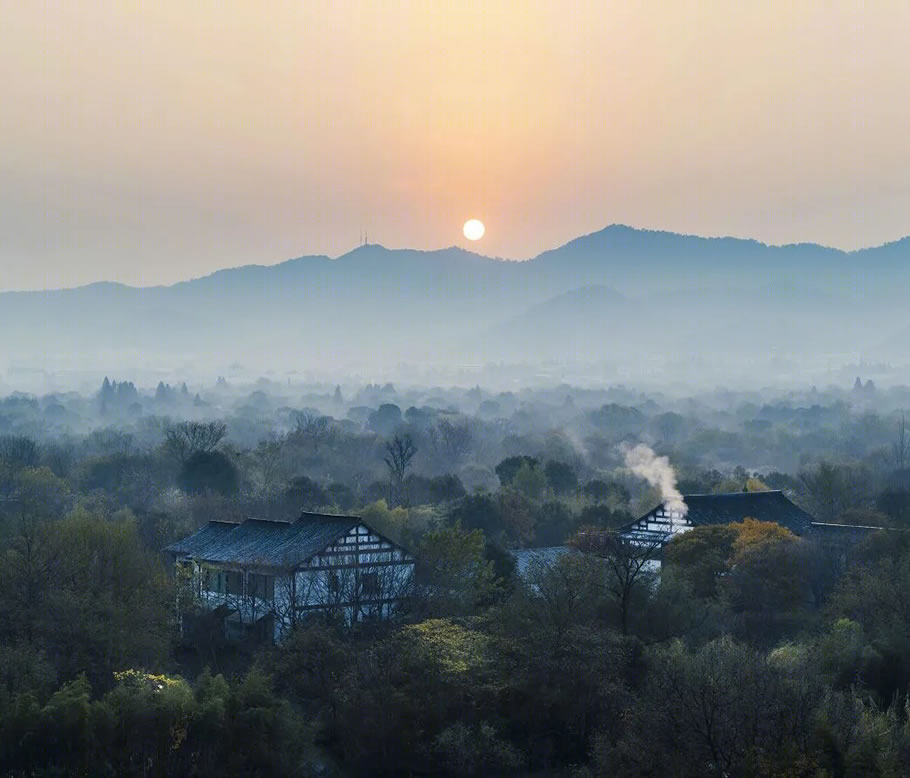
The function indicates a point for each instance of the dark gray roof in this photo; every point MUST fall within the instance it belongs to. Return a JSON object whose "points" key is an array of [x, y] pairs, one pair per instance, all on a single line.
{"points": [[840, 532], [211, 533], [525, 558], [764, 506], [707, 509], [257, 542]]}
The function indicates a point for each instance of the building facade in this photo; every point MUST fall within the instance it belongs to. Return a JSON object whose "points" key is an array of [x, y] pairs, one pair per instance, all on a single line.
{"points": [[262, 578], [661, 524]]}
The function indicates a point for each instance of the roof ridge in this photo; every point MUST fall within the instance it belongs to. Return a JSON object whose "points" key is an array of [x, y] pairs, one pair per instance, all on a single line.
{"points": [[734, 494], [314, 514]]}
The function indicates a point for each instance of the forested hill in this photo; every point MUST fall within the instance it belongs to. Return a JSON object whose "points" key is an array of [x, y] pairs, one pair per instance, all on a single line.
{"points": [[376, 306]]}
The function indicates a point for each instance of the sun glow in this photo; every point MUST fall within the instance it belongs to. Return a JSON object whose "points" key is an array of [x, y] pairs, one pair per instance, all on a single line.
{"points": [[473, 229]]}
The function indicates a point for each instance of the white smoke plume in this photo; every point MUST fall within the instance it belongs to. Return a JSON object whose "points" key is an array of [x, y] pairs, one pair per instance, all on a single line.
{"points": [[657, 471]]}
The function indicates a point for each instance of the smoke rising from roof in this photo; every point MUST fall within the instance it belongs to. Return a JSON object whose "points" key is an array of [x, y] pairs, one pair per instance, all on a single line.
{"points": [[657, 471]]}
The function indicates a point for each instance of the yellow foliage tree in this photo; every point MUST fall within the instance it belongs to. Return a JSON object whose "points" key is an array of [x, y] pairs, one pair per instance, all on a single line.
{"points": [[455, 648], [752, 532], [754, 484]]}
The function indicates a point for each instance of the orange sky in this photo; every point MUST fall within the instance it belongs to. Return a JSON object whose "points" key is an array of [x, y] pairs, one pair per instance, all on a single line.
{"points": [[148, 142]]}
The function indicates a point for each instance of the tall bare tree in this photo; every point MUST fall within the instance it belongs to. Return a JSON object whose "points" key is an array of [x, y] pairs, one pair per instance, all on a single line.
{"points": [[399, 453], [629, 562], [313, 431], [268, 459], [191, 437], [18, 452], [831, 490], [900, 448], [451, 440]]}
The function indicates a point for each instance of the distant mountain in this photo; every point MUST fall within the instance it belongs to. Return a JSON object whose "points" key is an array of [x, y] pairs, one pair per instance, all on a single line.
{"points": [[628, 259], [577, 319], [617, 292]]}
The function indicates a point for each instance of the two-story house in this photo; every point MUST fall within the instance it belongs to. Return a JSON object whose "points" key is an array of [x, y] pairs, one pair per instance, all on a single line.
{"points": [[265, 577]]}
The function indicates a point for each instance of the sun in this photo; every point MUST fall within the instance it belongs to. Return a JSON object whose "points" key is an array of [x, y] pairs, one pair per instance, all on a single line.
{"points": [[473, 229]]}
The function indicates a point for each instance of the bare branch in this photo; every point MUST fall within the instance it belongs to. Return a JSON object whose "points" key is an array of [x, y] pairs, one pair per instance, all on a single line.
{"points": [[190, 437]]}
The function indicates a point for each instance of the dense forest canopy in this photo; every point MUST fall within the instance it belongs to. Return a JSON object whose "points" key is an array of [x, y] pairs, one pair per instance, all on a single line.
{"points": [[752, 651]]}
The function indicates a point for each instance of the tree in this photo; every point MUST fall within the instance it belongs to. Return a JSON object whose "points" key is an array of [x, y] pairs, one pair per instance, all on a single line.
{"points": [[564, 595], [597, 490], [900, 447], [108, 602], [477, 511], [340, 496], [392, 701], [128, 479], [760, 570], [509, 466], [564, 671], [601, 491], [446, 488], [451, 440], [669, 426], [555, 523], [304, 494], [207, 471], [184, 440], [385, 420], [517, 516], [755, 484], [750, 533], [833, 489], [83, 590], [769, 581], [877, 597], [702, 556], [309, 666], [18, 452], [453, 573], [561, 477], [725, 710], [313, 431], [399, 453], [464, 751], [530, 481], [629, 564], [268, 456], [896, 505], [618, 421], [38, 499]]}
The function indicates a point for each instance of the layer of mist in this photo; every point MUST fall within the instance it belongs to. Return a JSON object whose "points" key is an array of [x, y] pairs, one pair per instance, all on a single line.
{"points": [[619, 306]]}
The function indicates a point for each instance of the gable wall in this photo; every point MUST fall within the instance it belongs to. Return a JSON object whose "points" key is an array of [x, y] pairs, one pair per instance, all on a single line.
{"points": [[658, 522]]}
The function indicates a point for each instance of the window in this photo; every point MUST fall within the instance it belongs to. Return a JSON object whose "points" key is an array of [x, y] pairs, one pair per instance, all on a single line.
{"points": [[262, 586], [214, 581], [233, 582], [369, 583], [334, 582]]}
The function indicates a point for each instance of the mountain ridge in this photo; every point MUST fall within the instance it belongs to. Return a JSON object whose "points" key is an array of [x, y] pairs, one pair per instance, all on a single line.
{"points": [[599, 240], [632, 298]]}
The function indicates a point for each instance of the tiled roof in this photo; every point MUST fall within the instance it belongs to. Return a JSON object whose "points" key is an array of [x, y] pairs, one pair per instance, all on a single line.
{"points": [[264, 543], [764, 506], [211, 533], [525, 558]]}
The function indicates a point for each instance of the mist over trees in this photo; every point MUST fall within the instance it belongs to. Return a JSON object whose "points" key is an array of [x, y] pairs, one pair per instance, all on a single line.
{"points": [[752, 651]]}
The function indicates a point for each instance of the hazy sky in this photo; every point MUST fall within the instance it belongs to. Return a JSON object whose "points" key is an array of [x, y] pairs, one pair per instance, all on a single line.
{"points": [[153, 141]]}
